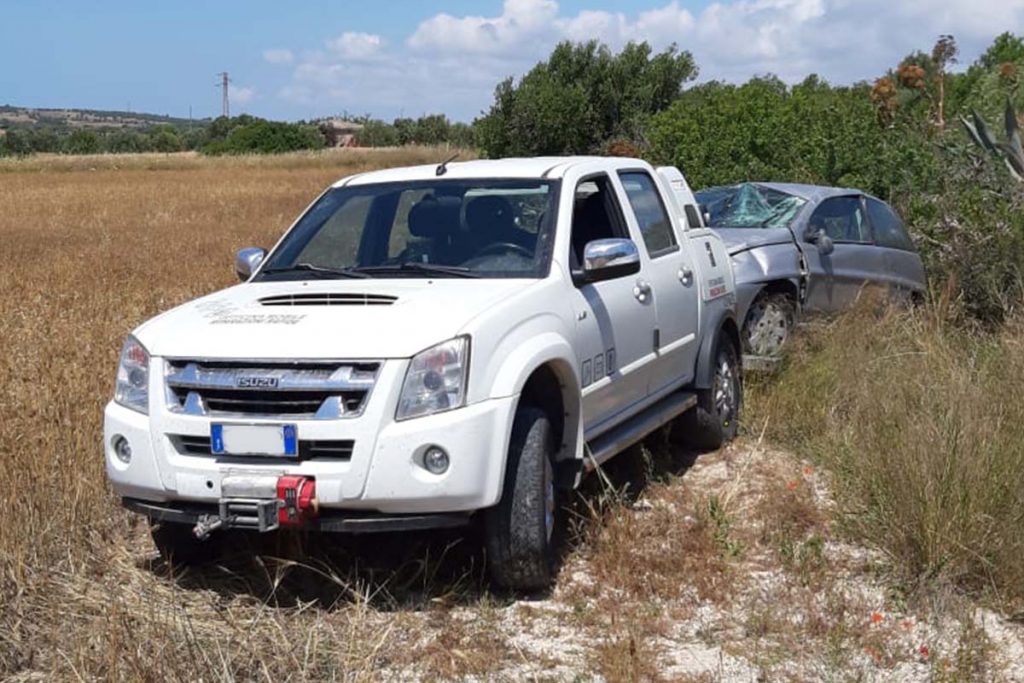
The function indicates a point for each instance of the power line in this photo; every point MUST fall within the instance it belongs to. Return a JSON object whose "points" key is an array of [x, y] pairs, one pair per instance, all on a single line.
{"points": [[223, 85]]}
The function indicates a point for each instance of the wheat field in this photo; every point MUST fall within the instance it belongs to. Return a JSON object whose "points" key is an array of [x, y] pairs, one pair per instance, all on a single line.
{"points": [[92, 247]]}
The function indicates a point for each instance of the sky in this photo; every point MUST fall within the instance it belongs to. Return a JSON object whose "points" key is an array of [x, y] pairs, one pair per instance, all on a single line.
{"points": [[312, 58]]}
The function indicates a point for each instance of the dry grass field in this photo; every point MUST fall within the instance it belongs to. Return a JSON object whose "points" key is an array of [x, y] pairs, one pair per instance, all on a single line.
{"points": [[731, 566]]}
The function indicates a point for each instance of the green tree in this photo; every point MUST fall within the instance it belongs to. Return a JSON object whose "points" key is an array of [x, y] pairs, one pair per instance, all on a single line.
{"points": [[16, 143], [1007, 47], [44, 140], [405, 129], [82, 141], [257, 136], [431, 130], [165, 139], [582, 97], [377, 134]]}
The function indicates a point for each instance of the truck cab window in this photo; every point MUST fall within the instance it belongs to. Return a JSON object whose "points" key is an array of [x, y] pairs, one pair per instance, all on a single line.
{"points": [[596, 216], [651, 216]]}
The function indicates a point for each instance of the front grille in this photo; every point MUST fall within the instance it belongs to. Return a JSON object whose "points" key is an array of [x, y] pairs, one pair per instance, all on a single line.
{"points": [[328, 299], [308, 449], [317, 391]]}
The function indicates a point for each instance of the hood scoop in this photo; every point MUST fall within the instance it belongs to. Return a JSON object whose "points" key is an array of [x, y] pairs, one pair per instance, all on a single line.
{"points": [[328, 299]]}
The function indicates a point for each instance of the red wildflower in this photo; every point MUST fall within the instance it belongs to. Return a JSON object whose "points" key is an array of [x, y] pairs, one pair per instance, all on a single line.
{"points": [[876, 617]]}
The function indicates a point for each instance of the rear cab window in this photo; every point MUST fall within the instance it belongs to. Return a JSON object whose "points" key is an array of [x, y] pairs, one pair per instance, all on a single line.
{"points": [[649, 210]]}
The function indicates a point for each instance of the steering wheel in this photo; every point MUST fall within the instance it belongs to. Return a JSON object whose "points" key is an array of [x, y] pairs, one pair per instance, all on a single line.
{"points": [[504, 247]]}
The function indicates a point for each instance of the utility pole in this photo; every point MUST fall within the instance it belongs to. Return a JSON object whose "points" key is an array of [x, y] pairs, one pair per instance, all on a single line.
{"points": [[223, 85]]}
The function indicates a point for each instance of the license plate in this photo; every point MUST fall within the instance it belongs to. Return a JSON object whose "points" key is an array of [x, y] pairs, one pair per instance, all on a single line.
{"points": [[269, 440]]}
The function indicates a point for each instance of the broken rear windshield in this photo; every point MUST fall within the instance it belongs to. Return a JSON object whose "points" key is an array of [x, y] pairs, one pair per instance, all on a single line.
{"points": [[749, 206]]}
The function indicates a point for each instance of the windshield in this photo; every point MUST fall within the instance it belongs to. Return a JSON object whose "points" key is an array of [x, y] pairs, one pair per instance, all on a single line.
{"points": [[749, 206], [438, 228]]}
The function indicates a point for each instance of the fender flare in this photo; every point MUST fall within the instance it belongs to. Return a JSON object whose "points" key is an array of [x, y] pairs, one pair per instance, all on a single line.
{"points": [[546, 349], [722, 321], [538, 350]]}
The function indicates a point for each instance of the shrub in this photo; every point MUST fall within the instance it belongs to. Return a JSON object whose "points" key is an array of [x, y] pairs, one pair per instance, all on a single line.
{"points": [[916, 419], [256, 136]]}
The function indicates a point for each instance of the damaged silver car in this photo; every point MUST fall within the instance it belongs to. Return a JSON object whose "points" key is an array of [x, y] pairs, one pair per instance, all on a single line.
{"points": [[798, 248]]}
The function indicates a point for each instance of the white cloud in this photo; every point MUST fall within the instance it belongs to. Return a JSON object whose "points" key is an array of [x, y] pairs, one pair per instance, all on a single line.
{"points": [[278, 56], [352, 45], [452, 63], [240, 94], [521, 21]]}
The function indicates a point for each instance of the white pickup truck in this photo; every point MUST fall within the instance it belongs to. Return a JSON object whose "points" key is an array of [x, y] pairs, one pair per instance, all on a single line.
{"points": [[429, 343]]}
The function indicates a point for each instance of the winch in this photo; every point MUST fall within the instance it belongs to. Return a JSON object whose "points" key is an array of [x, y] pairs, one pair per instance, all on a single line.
{"points": [[262, 502]]}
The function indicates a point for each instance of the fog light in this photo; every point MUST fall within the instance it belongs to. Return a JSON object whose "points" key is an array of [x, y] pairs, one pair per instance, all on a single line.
{"points": [[435, 460], [122, 449]]}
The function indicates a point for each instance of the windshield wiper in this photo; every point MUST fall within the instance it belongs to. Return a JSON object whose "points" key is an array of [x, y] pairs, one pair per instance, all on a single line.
{"points": [[426, 268], [310, 268]]}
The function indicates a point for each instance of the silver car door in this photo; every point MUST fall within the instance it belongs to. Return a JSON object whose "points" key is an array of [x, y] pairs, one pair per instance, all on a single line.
{"points": [[837, 276]]}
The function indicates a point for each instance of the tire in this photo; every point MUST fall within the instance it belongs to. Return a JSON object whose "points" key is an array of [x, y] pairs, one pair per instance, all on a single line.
{"points": [[520, 529], [714, 421], [768, 325], [178, 546]]}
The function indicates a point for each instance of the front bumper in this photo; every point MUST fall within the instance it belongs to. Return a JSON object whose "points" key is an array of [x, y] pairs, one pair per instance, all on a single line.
{"points": [[333, 521], [383, 474]]}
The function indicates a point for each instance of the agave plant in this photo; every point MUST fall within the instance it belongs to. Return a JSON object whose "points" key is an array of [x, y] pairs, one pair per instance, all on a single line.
{"points": [[1010, 151]]}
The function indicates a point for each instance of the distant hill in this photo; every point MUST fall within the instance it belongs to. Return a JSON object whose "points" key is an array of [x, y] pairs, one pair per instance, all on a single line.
{"points": [[12, 117]]}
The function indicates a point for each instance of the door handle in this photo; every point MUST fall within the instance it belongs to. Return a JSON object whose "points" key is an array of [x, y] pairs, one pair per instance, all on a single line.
{"points": [[686, 276], [642, 291]]}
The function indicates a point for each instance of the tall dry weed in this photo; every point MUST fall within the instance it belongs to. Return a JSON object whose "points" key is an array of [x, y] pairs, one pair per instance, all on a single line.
{"points": [[923, 425]]}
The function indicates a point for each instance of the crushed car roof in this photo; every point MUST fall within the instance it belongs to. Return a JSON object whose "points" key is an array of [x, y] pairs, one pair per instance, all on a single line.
{"points": [[812, 192]]}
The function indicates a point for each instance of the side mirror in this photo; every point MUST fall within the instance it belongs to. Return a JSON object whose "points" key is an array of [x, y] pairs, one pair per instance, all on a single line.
{"points": [[705, 214], [247, 261], [825, 244], [608, 259]]}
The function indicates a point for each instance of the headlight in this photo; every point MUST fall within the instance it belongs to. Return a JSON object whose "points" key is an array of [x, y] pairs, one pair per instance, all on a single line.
{"points": [[132, 388], [436, 380]]}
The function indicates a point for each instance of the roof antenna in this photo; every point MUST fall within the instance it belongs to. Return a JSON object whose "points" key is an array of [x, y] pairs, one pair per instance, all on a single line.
{"points": [[442, 167]]}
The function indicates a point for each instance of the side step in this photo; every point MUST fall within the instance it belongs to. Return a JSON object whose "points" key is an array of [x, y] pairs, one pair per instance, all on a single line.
{"points": [[633, 430]]}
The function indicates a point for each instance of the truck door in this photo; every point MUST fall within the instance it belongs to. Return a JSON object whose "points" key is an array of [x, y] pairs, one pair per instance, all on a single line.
{"points": [[670, 277], [615, 321]]}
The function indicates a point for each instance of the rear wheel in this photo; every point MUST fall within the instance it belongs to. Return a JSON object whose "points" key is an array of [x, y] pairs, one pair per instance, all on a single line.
{"points": [[768, 325], [520, 529], [715, 419]]}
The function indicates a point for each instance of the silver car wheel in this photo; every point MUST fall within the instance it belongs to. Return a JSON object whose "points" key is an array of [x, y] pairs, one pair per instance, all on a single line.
{"points": [[767, 326]]}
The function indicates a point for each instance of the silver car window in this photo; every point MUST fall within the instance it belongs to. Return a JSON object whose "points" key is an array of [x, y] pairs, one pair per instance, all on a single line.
{"points": [[842, 219], [887, 226]]}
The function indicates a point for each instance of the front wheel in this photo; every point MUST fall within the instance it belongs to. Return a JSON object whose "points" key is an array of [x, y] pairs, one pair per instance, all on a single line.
{"points": [[715, 419], [768, 325], [520, 528]]}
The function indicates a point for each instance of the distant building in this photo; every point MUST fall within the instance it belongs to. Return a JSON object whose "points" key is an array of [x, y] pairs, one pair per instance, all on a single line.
{"points": [[340, 133]]}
